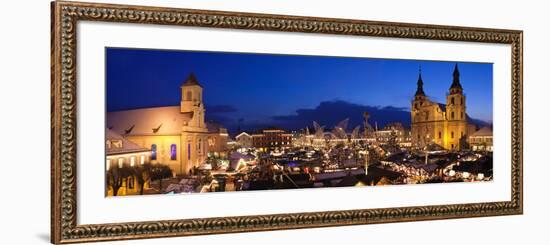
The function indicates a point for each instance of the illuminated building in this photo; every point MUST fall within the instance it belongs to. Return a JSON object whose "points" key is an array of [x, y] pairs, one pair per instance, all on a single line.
{"points": [[122, 152], [482, 140], [176, 135], [271, 139], [217, 139], [443, 124], [244, 140], [393, 131]]}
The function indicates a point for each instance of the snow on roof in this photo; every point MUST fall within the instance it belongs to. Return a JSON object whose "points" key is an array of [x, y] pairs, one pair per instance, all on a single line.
{"points": [[167, 120], [243, 134], [485, 131], [126, 146]]}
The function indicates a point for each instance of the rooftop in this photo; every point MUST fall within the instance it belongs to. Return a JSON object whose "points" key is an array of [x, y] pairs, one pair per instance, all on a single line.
{"points": [[485, 131], [191, 81], [126, 146], [166, 120]]}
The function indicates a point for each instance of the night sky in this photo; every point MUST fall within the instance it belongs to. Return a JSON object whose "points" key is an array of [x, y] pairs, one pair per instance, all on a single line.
{"points": [[289, 91]]}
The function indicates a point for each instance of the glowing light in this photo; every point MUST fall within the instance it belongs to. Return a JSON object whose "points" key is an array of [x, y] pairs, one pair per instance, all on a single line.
{"points": [[480, 176]]}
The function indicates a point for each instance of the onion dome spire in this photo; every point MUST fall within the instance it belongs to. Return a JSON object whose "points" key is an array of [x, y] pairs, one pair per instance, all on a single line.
{"points": [[420, 84], [456, 86]]}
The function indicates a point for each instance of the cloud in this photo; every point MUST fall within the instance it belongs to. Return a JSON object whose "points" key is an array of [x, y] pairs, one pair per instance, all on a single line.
{"points": [[329, 113]]}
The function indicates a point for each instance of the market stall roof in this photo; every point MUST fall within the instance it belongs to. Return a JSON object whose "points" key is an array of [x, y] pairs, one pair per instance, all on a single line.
{"points": [[237, 155]]}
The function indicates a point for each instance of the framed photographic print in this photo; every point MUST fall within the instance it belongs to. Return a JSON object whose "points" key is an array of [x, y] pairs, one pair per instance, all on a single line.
{"points": [[175, 122]]}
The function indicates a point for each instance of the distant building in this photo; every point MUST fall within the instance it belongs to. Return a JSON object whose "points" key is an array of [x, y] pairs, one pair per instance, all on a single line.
{"points": [[122, 152], [176, 135], [270, 139], [302, 137], [482, 140], [393, 131], [443, 124], [217, 140], [244, 139]]}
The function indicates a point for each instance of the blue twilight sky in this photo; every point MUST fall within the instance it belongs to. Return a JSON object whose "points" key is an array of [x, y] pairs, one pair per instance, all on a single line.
{"points": [[257, 90]]}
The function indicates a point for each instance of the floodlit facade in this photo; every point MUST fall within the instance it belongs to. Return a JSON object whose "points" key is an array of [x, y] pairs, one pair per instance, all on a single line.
{"points": [[395, 131], [443, 124], [270, 139], [177, 136], [244, 140], [122, 152]]}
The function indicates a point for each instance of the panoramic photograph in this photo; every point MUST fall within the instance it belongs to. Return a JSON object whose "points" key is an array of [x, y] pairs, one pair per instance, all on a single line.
{"points": [[181, 122]]}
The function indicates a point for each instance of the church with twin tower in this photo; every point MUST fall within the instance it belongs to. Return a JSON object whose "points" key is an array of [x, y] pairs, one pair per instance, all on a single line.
{"points": [[443, 124]]}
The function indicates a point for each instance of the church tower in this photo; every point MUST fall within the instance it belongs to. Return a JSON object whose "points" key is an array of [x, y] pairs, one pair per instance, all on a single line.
{"points": [[419, 99], [455, 113], [420, 114], [419, 95], [191, 102]]}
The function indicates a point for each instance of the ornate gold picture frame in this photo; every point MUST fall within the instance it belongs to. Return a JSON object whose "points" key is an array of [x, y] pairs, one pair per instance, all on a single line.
{"points": [[64, 188]]}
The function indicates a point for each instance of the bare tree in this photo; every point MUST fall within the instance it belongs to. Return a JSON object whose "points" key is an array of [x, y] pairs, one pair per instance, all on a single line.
{"points": [[160, 172], [116, 177], [142, 174]]}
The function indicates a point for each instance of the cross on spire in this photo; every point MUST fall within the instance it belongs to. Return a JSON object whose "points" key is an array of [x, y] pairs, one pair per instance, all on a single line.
{"points": [[420, 83]]}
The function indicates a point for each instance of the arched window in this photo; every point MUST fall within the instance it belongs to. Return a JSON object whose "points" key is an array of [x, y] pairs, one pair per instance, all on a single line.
{"points": [[452, 135], [462, 115], [189, 96], [452, 115], [120, 162], [452, 100], [173, 152], [132, 161], [154, 152], [461, 101], [439, 135]]}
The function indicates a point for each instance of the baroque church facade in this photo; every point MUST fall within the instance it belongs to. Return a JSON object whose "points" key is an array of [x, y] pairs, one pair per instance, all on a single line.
{"points": [[446, 125], [177, 136]]}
